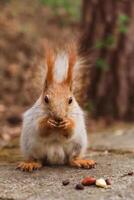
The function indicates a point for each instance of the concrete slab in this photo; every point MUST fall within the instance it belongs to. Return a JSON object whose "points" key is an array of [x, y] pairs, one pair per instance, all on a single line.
{"points": [[47, 183], [120, 140], [114, 153]]}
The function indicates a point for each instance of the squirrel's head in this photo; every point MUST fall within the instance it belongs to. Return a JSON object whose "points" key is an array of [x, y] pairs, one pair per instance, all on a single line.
{"points": [[57, 97]]}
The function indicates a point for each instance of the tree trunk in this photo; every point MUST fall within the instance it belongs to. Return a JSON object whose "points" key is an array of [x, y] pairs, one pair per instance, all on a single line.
{"points": [[107, 43]]}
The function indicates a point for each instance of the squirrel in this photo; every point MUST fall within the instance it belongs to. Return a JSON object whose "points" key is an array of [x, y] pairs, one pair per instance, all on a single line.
{"points": [[54, 130]]}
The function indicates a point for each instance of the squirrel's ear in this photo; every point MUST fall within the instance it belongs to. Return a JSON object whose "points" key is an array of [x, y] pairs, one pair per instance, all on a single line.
{"points": [[50, 60], [71, 62]]}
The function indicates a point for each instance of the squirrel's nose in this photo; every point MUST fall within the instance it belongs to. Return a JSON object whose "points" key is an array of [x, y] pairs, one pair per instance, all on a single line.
{"points": [[58, 119]]}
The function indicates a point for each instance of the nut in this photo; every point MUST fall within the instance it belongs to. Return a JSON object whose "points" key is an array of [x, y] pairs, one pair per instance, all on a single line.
{"points": [[65, 182], [130, 173], [101, 183], [88, 181], [79, 186], [108, 181]]}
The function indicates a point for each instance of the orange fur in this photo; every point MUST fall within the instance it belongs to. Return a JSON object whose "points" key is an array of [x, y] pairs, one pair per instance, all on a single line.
{"points": [[84, 163], [50, 60], [47, 124], [68, 127], [71, 62], [29, 166], [56, 93], [43, 125]]}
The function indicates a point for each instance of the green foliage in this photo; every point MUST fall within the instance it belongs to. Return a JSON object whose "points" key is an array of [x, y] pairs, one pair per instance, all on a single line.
{"points": [[89, 106], [72, 8], [99, 44], [5, 1], [108, 42], [123, 23], [102, 64], [123, 18]]}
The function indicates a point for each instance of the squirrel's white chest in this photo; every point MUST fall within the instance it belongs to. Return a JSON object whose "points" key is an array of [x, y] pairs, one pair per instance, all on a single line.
{"points": [[52, 152], [55, 154]]}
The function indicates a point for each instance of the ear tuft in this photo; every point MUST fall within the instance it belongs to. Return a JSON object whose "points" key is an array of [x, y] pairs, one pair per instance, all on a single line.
{"points": [[50, 61], [72, 56]]}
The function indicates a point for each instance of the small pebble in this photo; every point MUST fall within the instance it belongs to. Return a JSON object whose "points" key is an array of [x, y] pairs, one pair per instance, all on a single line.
{"points": [[101, 183], [88, 181], [108, 181], [79, 186], [130, 173], [65, 182]]}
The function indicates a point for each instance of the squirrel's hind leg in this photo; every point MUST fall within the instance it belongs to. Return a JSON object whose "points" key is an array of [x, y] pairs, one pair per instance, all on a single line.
{"points": [[76, 157], [82, 163], [29, 166]]}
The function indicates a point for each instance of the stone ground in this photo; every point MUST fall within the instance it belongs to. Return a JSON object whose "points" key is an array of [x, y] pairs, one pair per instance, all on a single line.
{"points": [[114, 153]]}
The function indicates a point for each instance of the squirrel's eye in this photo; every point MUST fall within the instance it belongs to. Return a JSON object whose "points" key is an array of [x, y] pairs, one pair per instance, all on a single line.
{"points": [[46, 99], [70, 100]]}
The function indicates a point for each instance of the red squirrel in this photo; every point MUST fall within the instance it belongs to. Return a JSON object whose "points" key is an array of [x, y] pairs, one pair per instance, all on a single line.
{"points": [[54, 130]]}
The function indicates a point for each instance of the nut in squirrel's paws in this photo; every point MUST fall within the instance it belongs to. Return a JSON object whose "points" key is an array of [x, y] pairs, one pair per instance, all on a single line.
{"points": [[52, 123], [47, 123], [83, 163], [29, 166], [66, 124]]}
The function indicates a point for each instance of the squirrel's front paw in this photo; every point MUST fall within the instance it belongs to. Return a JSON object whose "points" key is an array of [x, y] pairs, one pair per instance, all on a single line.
{"points": [[52, 123], [47, 123], [67, 124]]}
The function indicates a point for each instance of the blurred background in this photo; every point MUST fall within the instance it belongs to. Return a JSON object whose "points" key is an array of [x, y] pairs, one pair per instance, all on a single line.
{"points": [[104, 33]]}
